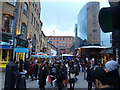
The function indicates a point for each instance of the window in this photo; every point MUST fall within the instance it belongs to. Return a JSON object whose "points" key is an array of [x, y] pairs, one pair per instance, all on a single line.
{"points": [[23, 30], [31, 19], [13, 2], [36, 25], [25, 8], [39, 15], [34, 21], [35, 8], [7, 23]]}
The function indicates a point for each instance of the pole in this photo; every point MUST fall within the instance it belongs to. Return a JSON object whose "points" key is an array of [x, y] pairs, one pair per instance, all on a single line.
{"points": [[14, 30]]}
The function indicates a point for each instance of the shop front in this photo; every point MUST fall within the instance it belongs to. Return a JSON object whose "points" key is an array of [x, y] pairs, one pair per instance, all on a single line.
{"points": [[21, 52], [5, 50]]}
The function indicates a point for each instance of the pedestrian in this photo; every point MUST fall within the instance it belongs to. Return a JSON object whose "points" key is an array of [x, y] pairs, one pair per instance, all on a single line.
{"points": [[64, 70], [100, 79], [83, 66], [111, 67], [21, 65], [26, 67], [42, 77], [35, 70], [89, 77], [31, 70], [52, 73], [72, 77], [60, 76]]}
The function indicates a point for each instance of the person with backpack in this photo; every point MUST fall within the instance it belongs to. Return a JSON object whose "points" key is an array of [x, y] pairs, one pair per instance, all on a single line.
{"points": [[72, 77]]}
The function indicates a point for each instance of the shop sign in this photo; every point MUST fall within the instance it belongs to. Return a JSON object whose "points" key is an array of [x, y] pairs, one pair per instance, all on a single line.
{"points": [[23, 50], [5, 47]]}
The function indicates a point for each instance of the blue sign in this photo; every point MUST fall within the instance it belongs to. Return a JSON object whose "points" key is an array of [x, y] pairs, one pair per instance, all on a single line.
{"points": [[22, 50], [5, 47]]}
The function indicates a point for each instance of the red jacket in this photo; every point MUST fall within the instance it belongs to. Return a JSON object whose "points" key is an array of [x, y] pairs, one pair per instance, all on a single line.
{"points": [[31, 69]]}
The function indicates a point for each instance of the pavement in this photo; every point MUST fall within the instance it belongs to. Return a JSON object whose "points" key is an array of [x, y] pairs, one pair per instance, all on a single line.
{"points": [[81, 83]]}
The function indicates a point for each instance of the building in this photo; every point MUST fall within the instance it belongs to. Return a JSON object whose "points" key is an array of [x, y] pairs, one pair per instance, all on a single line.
{"points": [[34, 26], [88, 25], [63, 43], [52, 50], [27, 34]]}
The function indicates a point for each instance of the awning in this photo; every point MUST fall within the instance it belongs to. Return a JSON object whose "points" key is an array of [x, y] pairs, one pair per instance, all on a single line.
{"points": [[42, 56], [67, 55], [22, 50], [102, 51], [106, 51], [109, 51]]}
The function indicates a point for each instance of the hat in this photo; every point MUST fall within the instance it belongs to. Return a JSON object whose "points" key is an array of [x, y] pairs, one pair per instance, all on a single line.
{"points": [[111, 65]]}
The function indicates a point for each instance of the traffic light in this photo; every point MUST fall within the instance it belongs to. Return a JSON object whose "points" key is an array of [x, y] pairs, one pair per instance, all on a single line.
{"points": [[109, 19]]}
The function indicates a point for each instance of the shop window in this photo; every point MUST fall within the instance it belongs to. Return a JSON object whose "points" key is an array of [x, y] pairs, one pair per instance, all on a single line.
{"points": [[25, 8], [23, 30], [7, 23]]}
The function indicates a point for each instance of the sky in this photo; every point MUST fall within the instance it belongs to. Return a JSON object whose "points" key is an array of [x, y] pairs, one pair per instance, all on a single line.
{"points": [[60, 16]]}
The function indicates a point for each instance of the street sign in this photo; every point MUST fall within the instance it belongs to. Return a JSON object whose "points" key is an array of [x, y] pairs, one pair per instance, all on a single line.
{"points": [[23, 50]]}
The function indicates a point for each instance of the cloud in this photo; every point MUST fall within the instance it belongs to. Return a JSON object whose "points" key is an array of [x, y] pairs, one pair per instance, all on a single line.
{"points": [[55, 31]]}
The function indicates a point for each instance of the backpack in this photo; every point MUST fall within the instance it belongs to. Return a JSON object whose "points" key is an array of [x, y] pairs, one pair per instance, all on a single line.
{"points": [[72, 75], [60, 75], [72, 70]]}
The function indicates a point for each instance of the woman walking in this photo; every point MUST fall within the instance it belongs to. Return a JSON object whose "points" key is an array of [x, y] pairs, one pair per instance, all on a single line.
{"points": [[42, 77]]}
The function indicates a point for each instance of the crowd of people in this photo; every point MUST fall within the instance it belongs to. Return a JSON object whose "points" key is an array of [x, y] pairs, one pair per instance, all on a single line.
{"points": [[59, 73]]}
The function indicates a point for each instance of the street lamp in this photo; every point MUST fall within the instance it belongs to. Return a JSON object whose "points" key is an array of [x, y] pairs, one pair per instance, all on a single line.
{"points": [[14, 31]]}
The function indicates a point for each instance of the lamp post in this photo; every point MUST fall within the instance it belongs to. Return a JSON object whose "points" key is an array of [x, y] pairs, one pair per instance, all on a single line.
{"points": [[14, 31]]}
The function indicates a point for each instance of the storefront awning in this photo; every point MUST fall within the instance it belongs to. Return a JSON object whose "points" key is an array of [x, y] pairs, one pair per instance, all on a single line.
{"points": [[42, 56], [22, 50], [106, 51]]}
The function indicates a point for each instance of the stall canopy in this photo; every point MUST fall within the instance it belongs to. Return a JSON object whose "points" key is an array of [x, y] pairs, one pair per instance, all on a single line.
{"points": [[42, 56], [67, 55]]}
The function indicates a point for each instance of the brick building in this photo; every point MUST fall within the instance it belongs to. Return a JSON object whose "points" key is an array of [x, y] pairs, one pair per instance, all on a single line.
{"points": [[63, 43], [28, 29]]}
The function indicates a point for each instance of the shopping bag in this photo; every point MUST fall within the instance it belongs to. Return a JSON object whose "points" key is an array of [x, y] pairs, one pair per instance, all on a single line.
{"points": [[48, 79], [66, 80], [75, 79], [54, 83]]}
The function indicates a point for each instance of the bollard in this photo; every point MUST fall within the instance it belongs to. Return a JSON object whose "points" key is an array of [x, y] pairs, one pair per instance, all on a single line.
{"points": [[10, 76], [21, 81]]}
